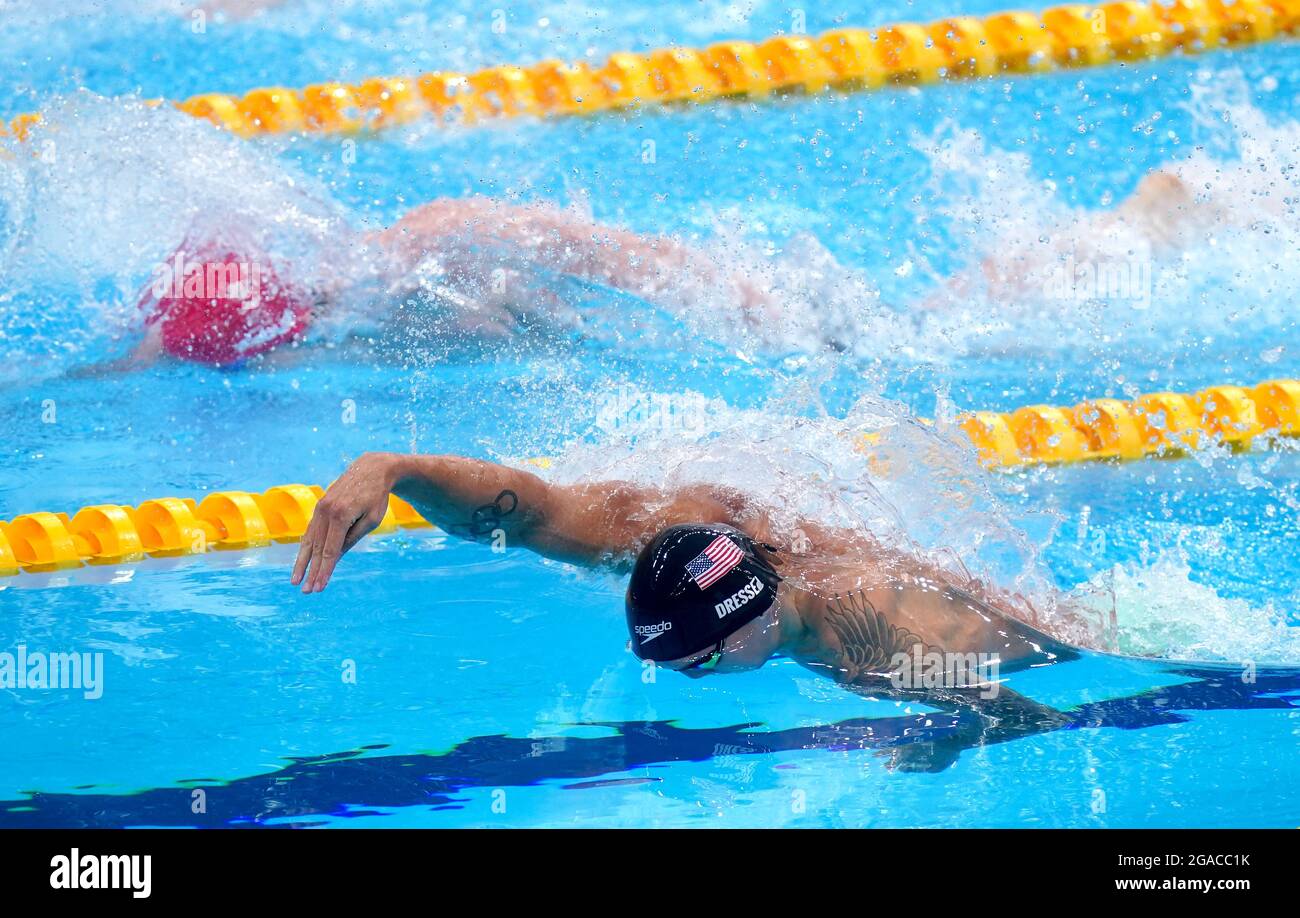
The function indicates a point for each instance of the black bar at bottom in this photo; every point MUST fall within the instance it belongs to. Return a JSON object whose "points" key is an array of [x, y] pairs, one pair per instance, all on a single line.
{"points": [[644, 866]]}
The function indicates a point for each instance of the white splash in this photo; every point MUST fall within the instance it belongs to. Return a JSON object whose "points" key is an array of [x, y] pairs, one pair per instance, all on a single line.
{"points": [[1202, 249], [104, 191], [915, 488], [1162, 612]]}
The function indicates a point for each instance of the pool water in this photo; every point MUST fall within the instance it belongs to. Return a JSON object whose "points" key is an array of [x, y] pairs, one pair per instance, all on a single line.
{"points": [[438, 683]]}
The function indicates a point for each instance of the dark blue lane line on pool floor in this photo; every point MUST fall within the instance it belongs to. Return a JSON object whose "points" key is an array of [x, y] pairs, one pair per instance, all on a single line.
{"points": [[350, 784]]}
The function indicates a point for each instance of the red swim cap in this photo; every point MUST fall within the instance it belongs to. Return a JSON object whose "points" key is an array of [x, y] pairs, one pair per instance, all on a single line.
{"points": [[216, 306]]}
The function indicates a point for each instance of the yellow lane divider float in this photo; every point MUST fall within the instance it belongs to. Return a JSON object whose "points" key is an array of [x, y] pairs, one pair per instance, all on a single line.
{"points": [[960, 47], [1162, 424]]}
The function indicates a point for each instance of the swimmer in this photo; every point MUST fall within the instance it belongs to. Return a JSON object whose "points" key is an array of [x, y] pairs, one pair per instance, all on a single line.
{"points": [[1162, 215], [487, 263], [712, 590], [489, 270]]}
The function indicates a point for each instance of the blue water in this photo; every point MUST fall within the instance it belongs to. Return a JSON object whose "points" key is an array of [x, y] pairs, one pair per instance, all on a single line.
{"points": [[494, 689]]}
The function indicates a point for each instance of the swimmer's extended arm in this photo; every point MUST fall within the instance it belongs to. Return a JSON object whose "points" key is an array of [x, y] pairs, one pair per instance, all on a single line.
{"points": [[145, 354], [590, 524], [1160, 209], [566, 241]]}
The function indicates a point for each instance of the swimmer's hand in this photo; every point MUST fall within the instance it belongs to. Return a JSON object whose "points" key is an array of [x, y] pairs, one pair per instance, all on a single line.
{"points": [[352, 507]]}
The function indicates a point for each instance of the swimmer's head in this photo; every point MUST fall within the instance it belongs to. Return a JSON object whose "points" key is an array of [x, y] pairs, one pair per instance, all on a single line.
{"points": [[220, 304], [696, 587], [1164, 207], [1160, 188]]}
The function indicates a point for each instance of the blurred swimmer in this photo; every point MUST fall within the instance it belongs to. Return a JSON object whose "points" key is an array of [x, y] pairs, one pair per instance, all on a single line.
{"points": [[489, 267], [480, 269], [1160, 218]]}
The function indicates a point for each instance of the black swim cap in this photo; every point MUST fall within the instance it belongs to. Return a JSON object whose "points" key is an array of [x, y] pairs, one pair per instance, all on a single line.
{"points": [[694, 585]]}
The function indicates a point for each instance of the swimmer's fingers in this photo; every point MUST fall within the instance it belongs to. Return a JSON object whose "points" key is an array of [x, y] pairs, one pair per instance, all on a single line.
{"points": [[304, 553], [310, 554], [360, 529], [325, 555], [326, 552], [345, 529], [308, 547]]}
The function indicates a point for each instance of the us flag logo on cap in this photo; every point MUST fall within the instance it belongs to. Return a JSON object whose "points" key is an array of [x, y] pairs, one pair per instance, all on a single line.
{"points": [[715, 562]]}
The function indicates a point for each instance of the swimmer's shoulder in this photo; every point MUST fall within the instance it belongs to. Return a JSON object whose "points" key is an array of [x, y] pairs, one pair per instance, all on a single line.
{"points": [[851, 634]]}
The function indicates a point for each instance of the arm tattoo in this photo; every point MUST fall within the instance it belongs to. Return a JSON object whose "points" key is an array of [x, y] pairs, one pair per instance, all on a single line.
{"points": [[868, 640], [487, 518]]}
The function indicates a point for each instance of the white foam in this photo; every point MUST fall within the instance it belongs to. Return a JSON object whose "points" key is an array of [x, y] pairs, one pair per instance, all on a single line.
{"points": [[103, 191], [1219, 265], [917, 490], [1161, 611]]}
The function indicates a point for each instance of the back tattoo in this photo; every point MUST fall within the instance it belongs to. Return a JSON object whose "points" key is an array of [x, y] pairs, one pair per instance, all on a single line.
{"points": [[869, 641]]}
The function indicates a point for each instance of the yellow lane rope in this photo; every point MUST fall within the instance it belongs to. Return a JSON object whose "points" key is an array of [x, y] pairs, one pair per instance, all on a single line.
{"points": [[960, 47], [1163, 424]]}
